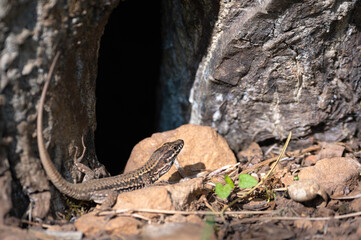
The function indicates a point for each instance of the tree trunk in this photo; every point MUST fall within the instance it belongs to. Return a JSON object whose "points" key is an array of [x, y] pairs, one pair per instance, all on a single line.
{"points": [[272, 67], [31, 32]]}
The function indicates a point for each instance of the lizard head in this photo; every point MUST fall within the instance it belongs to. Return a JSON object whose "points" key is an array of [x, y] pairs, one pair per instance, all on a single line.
{"points": [[166, 155]]}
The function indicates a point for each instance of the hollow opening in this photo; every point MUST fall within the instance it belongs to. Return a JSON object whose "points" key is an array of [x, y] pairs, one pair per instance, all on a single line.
{"points": [[128, 73]]}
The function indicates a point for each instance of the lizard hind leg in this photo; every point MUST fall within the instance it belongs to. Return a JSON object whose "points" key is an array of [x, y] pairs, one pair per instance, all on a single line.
{"points": [[107, 200], [89, 174]]}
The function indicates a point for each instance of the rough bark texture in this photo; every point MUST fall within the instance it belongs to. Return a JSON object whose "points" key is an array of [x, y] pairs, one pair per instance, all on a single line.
{"points": [[186, 32], [30, 34], [271, 67], [279, 66]]}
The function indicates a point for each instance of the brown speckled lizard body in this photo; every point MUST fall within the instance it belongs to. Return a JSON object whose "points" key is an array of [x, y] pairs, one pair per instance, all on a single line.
{"points": [[105, 190]]}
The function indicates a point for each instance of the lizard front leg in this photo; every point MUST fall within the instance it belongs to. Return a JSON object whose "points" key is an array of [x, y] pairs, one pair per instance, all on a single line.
{"points": [[179, 168]]}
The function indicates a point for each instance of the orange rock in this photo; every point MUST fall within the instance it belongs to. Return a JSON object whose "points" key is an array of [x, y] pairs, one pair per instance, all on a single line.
{"points": [[204, 149], [123, 225], [178, 231], [90, 224], [155, 197], [184, 218], [184, 193], [165, 197]]}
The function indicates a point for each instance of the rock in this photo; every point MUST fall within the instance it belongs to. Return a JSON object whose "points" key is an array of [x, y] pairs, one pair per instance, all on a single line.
{"points": [[330, 150], [155, 197], [90, 224], [41, 204], [253, 154], [184, 218], [165, 197], [183, 193], [9, 233], [332, 174], [177, 231], [306, 190], [203, 149], [45, 234]]}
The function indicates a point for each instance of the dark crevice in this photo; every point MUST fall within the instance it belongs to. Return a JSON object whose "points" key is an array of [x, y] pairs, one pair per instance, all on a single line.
{"points": [[268, 142], [128, 73]]}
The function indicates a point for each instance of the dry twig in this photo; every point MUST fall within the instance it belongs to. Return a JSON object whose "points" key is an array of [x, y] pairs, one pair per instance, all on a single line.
{"points": [[262, 180], [289, 154]]}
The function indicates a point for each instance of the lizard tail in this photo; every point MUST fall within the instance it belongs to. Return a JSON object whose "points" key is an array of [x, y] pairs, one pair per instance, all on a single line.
{"points": [[48, 165]]}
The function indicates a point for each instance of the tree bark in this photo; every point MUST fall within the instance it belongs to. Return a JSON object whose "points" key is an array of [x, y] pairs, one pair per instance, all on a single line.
{"points": [[277, 66], [186, 32], [31, 32]]}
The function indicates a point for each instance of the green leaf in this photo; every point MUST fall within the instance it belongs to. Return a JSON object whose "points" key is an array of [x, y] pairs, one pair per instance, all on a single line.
{"points": [[229, 181], [246, 181], [223, 191]]}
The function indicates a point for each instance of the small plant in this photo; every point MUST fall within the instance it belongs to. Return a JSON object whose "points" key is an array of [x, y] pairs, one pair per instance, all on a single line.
{"points": [[245, 181], [223, 191], [296, 178]]}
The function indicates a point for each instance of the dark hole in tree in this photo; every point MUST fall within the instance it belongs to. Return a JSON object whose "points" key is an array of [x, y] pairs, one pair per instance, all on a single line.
{"points": [[128, 72]]}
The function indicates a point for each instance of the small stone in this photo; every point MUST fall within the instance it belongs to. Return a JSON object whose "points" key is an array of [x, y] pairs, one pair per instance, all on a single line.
{"points": [[333, 174], [306, 190]]}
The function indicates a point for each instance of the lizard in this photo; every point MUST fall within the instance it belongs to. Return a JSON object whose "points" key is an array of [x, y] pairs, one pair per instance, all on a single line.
{"points": [[104, 190]]}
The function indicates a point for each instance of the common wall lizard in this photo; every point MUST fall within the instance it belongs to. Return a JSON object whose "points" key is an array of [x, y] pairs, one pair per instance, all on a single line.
{"points": [[105, 190]]}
